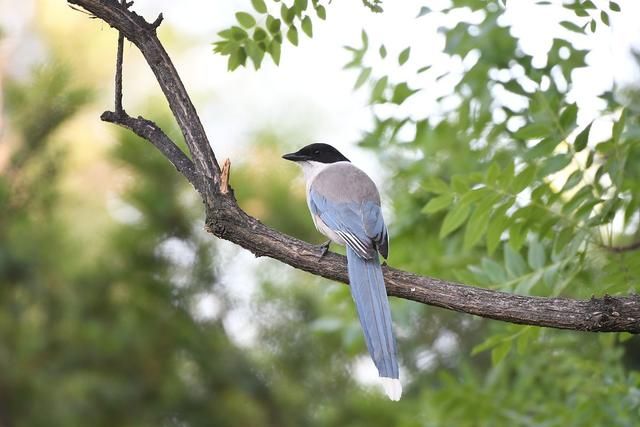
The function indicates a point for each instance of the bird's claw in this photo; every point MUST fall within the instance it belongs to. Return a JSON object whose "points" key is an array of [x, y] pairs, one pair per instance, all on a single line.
{"points": [[323, 248]]}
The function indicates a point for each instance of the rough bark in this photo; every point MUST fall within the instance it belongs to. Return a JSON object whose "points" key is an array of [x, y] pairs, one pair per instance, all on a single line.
{"points": [[226, 220]]}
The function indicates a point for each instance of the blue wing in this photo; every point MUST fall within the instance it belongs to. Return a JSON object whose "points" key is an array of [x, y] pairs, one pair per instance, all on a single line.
{"points": [[360, 225]]}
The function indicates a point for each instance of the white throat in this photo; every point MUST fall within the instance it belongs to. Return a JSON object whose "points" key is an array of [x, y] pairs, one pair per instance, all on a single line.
{"points": [[311, 169]]}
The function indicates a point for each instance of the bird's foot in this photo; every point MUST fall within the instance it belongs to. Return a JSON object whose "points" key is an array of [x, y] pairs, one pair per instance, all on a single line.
{"points": [[323, 248]]}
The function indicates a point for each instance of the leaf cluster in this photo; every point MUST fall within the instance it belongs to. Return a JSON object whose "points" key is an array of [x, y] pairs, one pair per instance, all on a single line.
{"points": [[254, 37]]}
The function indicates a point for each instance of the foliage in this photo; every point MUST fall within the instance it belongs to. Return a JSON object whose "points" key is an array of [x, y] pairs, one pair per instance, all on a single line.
{"points": [[257, 36], [524, 197]]}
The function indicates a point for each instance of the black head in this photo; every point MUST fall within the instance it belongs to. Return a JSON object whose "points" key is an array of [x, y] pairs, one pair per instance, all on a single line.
{"points": [[323, 153]]}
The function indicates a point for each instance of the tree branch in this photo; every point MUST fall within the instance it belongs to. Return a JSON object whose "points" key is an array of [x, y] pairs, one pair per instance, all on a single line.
{"points": [[227, 220], [148, 130]]}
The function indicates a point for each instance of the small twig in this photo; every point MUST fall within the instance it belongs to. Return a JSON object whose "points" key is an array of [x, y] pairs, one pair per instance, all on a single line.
{"points": [[118, 90], [224, 179], [155, 24]]}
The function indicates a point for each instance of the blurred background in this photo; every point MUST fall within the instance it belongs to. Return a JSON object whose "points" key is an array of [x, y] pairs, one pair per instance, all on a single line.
{"points": [[117, 309]]}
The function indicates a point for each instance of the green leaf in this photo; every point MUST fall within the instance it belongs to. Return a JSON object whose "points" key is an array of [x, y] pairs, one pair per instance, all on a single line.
{"points": [[593, 25], [562, 240], [401, 92], [494, 271], [604, 16], [378, 90], [532, 131], [404, 56], [365, 40], [438, 203], [259, 34], [490, 342], [287, 14], [454, 219], [525, 178], [514, 262], [568, 117], [245, 19], [517, 234], [614, 7], [274, 51], [259, 6], [523, 340], [573, 180], [500, 352], [493, 173], [536, 256], [383, 51], [300, 6], [321, 12], [460, 185], [572, 27], [226, 34], [307, 27], [583, 137], [507, 175], [236, 59], [292, 35], [618, 126], [435, 185], [238, 34], [550, 275], [497, 225], [470, 197], [255, 53], [273, 24], [542, 148], [363, 77], [555, 164], [590, 159], [477, 225], [581, 196]]}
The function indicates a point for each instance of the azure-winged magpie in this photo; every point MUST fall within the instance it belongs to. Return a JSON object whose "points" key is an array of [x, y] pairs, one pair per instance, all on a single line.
{"points": [[345, 206]]}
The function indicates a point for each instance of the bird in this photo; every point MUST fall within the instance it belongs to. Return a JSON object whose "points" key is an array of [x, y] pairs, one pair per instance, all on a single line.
{"points": [[345, 206]]}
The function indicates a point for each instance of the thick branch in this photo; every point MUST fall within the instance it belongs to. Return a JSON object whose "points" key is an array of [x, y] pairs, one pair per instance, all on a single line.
{"points": [[227, 220], [608, 314]]}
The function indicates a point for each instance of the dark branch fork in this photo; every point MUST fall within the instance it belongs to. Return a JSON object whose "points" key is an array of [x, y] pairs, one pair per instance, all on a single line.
{"points": [[225, 219]]}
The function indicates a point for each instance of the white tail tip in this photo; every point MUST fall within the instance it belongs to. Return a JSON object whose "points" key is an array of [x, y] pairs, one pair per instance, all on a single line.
{"points": [[392, 388]]}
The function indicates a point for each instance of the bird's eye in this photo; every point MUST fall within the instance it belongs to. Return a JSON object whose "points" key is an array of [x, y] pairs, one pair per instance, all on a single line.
{"points": [[316, 152]]}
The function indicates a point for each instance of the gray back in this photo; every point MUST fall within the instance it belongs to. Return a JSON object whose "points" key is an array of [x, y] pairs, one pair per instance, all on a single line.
{"points": [[343, 182]]}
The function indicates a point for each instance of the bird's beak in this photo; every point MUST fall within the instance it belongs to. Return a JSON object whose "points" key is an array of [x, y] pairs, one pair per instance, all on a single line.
{"points": [[294, 157]]}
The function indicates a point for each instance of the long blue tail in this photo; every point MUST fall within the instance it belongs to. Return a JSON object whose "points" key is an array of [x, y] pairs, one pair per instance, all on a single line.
{"points": [[370, 295]]}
